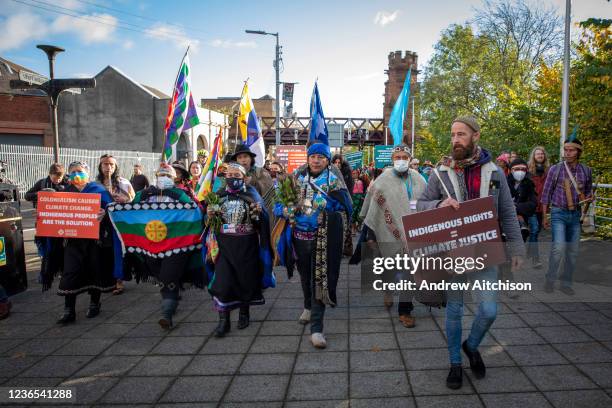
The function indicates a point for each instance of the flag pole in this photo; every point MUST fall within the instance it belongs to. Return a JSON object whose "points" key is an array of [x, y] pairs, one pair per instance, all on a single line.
{"points": [[238, 116], [178, 73]]}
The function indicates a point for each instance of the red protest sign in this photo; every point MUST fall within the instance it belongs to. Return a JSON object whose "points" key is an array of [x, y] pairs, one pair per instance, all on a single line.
{"points": [[291, 156], [68, 215]]}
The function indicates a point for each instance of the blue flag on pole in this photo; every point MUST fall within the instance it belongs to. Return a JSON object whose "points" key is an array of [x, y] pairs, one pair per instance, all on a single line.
{"points": [[396, 121], [318, 127]]}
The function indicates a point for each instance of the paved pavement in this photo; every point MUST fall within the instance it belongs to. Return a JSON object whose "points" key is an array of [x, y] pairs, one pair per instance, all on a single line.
{"points": [[538, 354]]}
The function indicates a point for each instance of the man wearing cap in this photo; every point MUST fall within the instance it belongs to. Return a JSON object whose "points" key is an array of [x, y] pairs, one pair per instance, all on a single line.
{"points": [[568, 186], [467, 174], [392, 195], [318, 235], [257, 177]]}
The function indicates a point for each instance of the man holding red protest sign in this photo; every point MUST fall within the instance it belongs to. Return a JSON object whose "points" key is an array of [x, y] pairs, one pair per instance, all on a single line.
{"points": [[469, 173]]}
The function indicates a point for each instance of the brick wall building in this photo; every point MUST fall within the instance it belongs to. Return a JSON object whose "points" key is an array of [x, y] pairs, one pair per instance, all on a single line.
{"points": [[24, 115], [398, 69]]}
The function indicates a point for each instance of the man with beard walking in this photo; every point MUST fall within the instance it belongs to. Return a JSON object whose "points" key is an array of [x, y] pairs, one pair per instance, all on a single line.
{"points": [[470, 173]]}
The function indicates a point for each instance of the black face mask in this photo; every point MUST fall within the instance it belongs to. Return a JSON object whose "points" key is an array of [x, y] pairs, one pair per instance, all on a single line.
{"points": [[234, 183], [539, 169]]}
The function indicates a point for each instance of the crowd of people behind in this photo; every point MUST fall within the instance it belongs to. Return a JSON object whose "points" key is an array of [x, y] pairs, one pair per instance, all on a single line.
{"points": [[337, 202]]}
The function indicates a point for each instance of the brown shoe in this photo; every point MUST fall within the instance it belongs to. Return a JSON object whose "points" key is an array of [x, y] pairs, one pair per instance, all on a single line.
{"points": [[388, 300], [5, 309], [407, 321]]}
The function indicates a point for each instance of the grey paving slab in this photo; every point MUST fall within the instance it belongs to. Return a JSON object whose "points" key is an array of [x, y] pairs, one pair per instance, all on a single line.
{"points": [[281, 328], [197, 389], [319, 404], [600, 373], [516, 336], [601, 332], [517, 400], [394, 402], [558, 378], [502, 379], [381, 360], [109, 366], [39, 347], [183, 329], [379, 384], [160, 366], [112, 330], [579, 399], [134, 346], [56, 366], [563, 334], [226, 345], [544, 319], [335, 361], [446, 401], [132, 390], [275, 344], [86, 347], [335, 342], [214, 364], [260, 388], [371, 325], [584, 352], [179, 345], [373, 341], [268, 363], [433, 382], [536, 354], [411, 340], [305, 387], [89, 390]]}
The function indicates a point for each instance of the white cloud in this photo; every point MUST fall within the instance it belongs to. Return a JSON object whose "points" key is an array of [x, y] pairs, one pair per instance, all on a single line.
{"points": [[176, 35], [383, 17], [128, 44], [87, 29], [365, 77], [19, 29], [219, 43]]}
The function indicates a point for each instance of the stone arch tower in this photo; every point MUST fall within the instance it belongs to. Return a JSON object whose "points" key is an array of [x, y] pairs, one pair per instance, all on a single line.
{"points": [[398, 68]]}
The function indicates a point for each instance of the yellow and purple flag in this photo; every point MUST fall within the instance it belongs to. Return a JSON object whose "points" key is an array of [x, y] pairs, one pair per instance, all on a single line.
{"points": [[182, 114]]}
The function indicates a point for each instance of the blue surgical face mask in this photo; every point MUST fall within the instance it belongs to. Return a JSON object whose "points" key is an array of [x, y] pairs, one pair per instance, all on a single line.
{"points": [[164, 183], [234, 183]]}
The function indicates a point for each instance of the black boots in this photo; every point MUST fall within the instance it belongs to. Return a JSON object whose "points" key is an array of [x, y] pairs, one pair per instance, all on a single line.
{"points": [[224, 325], [69, 315], [94, 304], [454, 381], [476, 364], [168, 308], [243, 317]]}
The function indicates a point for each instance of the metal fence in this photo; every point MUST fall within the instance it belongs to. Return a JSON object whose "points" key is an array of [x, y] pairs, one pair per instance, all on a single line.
{"points": [[601, 210], [27, 164]]}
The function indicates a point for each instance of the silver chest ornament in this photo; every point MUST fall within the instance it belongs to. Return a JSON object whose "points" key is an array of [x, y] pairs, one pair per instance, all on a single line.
{"points": [[233, 211]]}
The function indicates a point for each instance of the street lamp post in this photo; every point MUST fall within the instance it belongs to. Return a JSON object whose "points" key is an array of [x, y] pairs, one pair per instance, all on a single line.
{"points": [[277, 69], [51, 52]]}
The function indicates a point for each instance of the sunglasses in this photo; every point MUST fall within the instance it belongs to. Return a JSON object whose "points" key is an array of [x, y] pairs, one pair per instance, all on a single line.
{"points": [[401, 149]]}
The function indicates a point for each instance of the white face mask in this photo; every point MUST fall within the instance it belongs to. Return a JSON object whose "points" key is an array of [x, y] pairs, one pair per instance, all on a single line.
{"points": [[401, 165], [164, 183], [519, 175]]}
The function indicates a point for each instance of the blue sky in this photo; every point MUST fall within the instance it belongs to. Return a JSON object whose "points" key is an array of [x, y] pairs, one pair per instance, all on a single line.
{"points": [[344, 44]]}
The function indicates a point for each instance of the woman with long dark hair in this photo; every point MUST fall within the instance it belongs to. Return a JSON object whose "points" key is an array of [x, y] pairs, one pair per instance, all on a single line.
{"points": [[121, 191]]}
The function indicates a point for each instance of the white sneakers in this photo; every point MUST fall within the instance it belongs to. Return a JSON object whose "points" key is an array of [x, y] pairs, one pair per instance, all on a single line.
{"points": [[305, 317], [318, 340]]}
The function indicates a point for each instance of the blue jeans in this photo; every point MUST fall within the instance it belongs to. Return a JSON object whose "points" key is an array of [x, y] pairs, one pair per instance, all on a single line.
{"points": [[534, 231], [3, 295], [565, 225], [485, 316]]}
